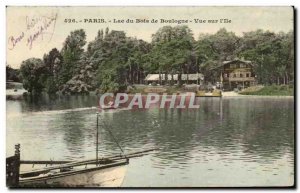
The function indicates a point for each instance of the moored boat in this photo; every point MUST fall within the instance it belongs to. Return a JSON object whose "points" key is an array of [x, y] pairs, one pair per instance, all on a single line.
{"points": [[110, 173], [104, 172], [99, 172]]}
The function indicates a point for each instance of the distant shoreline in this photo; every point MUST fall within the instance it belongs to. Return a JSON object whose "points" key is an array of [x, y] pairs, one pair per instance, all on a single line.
{"points": [[234, 94], [258, 96]]}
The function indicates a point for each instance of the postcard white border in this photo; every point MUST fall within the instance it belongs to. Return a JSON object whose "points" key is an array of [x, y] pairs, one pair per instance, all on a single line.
{"points": [[3, 4]]}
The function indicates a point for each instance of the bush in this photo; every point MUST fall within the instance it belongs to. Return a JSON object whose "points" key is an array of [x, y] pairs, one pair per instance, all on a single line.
{"points": [[273, 90]]}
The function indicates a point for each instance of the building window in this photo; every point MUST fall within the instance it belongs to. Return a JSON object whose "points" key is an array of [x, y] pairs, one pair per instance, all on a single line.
{"points": [[243, 65], [234, 75], [248, 75], [232, 65], [241, 75], [225, 75]]}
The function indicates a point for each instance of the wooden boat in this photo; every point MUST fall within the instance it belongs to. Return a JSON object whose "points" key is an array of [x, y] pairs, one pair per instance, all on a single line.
{"points": [[109, 173], [99, 172], [104, 172]]}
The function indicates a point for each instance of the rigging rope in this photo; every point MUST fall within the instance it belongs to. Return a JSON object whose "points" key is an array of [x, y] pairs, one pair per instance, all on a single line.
{"points": [[113, 137]]}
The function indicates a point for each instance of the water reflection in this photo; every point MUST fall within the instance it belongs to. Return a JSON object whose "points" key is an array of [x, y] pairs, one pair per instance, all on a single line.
{"points": [[252, 136]]}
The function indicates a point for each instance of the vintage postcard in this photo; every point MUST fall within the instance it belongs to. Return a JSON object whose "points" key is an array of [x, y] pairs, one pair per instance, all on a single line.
{"points": [[150, 97]]}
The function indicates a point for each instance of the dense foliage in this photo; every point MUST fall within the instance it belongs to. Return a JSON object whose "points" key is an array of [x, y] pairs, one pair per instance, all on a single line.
{"points": [[34, 75], [12, 74], [112, 61]]}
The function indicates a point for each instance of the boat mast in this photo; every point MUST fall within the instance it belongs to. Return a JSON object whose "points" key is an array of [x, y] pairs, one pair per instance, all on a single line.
{"points": [[97, 134]]}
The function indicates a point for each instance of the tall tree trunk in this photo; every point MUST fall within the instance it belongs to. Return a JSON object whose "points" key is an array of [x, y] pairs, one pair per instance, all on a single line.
{"points": [[159, 76], [143, 75], [180, 77], [130, 74], [187, 75], [166, 78], [138, 75]]}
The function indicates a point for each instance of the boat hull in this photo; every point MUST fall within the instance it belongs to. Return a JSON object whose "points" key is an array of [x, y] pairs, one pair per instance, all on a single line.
{"points": [[107, 177]]}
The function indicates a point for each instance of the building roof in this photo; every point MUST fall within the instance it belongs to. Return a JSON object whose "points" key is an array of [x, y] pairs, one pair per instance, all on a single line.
{"points": [[233, 61], [155, 77], [236, 60]]}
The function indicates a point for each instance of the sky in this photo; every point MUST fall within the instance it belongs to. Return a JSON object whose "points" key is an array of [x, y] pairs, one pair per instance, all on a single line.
{"points": [[34, 31]]}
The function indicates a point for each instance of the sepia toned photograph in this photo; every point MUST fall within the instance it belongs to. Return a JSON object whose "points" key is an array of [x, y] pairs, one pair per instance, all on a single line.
{"points": [[150, 97]]}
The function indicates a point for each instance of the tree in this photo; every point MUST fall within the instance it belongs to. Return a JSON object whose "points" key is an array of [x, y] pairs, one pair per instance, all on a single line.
{"points": [[225, 44], [71, 54], [12, 74], [33, 75], [112, 60], [273, 54], [112, 57], [134, 66], [117, 59], [206, 57], [53, 61], [82, 82], [172, 50]]}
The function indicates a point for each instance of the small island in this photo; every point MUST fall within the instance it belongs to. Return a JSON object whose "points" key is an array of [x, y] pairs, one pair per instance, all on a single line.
{"points": [[257, 63]]}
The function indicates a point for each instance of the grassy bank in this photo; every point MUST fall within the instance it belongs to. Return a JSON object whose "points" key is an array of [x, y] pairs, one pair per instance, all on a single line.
{"points": [[273, 90]]}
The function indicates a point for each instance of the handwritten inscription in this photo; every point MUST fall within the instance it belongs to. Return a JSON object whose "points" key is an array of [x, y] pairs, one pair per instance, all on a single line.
{"points": [[36, 27], [31, 22], [40, 31], [13, 41]]}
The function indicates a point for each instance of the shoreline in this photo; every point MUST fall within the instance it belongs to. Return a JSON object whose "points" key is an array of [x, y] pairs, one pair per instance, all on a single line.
{"points": [[227, 94], [234, 94], [258, 96]]}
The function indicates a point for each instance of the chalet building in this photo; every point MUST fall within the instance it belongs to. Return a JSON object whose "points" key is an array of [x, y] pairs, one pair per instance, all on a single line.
{"points": [[237, 74], [186, 78]]}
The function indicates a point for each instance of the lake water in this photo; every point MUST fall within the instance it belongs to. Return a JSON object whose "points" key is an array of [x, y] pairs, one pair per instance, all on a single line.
{"points": [[241, 141]]}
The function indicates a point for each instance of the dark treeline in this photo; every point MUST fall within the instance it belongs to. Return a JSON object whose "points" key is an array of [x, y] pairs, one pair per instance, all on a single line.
{"points": [[12, 74], [112, 61]]}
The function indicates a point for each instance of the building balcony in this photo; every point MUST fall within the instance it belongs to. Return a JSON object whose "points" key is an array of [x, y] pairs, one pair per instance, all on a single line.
{"points": [[239, 79]]}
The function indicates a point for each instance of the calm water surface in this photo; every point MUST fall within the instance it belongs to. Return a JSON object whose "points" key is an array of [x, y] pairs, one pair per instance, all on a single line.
{"points": [[227, 142]]}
